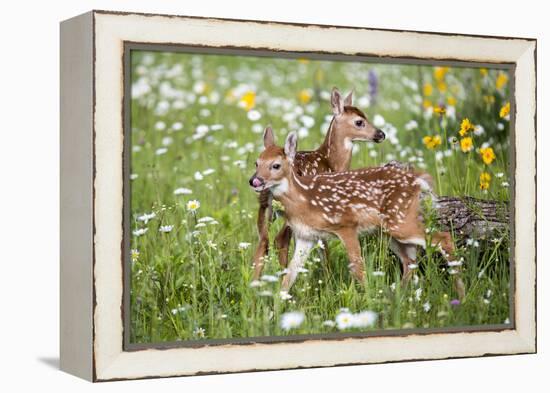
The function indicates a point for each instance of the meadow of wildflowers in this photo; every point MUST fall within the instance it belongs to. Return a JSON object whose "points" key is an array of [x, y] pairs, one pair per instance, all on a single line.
{"points": [[196, 127]]}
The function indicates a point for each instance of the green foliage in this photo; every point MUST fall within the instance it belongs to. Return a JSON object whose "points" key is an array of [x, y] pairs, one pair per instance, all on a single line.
{"points": [[196, 131]]}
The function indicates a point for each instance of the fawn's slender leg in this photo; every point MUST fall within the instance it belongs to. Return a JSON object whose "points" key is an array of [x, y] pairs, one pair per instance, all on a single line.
{"points": [[351, 241], [445, 242], [282, 243], [301, 252], [407, 255], [264, 215], [411, 231]]}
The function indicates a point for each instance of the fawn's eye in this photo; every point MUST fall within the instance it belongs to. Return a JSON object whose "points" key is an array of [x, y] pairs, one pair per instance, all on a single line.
{"points": [[359, 123], [276, 166], [256, 164]]}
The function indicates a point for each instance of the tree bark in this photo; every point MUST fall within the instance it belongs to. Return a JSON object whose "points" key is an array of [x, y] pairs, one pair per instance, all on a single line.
{"points": [[471, 217]]}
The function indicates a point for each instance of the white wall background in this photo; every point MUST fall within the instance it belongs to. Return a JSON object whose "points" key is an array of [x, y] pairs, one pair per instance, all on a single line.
{"points": [[29, 183]]}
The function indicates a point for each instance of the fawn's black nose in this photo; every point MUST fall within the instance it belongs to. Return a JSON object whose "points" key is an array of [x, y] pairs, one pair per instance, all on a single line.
{"points": [[255, 181], [379, 135]]}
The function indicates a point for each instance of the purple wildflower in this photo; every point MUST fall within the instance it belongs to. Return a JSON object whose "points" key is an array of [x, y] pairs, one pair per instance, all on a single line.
{"points": [[455, 302], [373, 86]]}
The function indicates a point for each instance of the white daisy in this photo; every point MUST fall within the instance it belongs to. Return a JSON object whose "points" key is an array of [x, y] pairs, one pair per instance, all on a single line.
{"points": [[364, 319], [198, 176], [292, 320], [160, 125], [427, 306], [193, 205], [182, 191], [411, 125], [145, 218], [166, 228], [344, 320], [269, 278], [418, 294], [284, 295], [307, 121], [141, 231], [243, 245], [254, 115], [160, 151], [199, 332], [378, 121], [256, 284]]}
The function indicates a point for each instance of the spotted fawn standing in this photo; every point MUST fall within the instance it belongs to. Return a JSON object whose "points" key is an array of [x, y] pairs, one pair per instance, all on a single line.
{"points": [[348, 124], [347, 204]]}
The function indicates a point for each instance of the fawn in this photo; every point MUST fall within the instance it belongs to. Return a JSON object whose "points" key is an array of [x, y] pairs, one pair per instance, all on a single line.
{"points": [[349, 124], [347, 204]]}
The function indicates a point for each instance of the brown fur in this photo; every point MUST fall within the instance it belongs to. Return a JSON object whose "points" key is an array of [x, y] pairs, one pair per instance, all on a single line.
{"points": [[332, 156], [348, 203]]}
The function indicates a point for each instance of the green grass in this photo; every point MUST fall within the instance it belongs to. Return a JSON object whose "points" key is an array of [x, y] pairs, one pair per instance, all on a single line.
{"points": [[193, 282]]}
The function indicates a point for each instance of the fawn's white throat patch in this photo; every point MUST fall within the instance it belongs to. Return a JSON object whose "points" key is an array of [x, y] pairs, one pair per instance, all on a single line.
{"points": [[281, 188]]}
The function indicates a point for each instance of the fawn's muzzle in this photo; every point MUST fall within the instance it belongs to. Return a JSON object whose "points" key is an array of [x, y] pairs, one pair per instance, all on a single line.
{"points": [[256, 181], [379, 135]]}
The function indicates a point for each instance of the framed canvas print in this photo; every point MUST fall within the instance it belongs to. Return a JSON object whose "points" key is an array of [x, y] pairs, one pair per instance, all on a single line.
{"points": [[245, 195]]}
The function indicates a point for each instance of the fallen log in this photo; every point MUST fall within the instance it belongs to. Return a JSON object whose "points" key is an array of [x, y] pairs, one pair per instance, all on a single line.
{"points": [[472, 217], [467, 216]]}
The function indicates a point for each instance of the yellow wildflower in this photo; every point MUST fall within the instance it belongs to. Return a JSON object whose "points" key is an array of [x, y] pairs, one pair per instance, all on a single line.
{"points": [[439, 73], [451, 101], [466, 144], [502, 80], [428, 89], [248, 100], [484, 180], [303, 61], [440, 110], [487, 155], [505, 110], [304, 96], [427, 104], [490, 99], [465, 127], [483, 71], [431, 142], [319, 76], [441, 86]]}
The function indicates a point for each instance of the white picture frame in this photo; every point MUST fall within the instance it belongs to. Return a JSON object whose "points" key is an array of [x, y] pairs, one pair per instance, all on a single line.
{"points": [[92, 194]]}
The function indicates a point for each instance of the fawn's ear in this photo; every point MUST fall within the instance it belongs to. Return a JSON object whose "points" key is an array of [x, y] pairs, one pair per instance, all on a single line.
{"points": [[348, 99], [291, 145], [269, 138], [337, 102]]}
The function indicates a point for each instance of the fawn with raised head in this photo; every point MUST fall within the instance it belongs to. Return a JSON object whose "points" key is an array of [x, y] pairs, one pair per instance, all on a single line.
{"points": [[349, 124], [347, 204]]}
